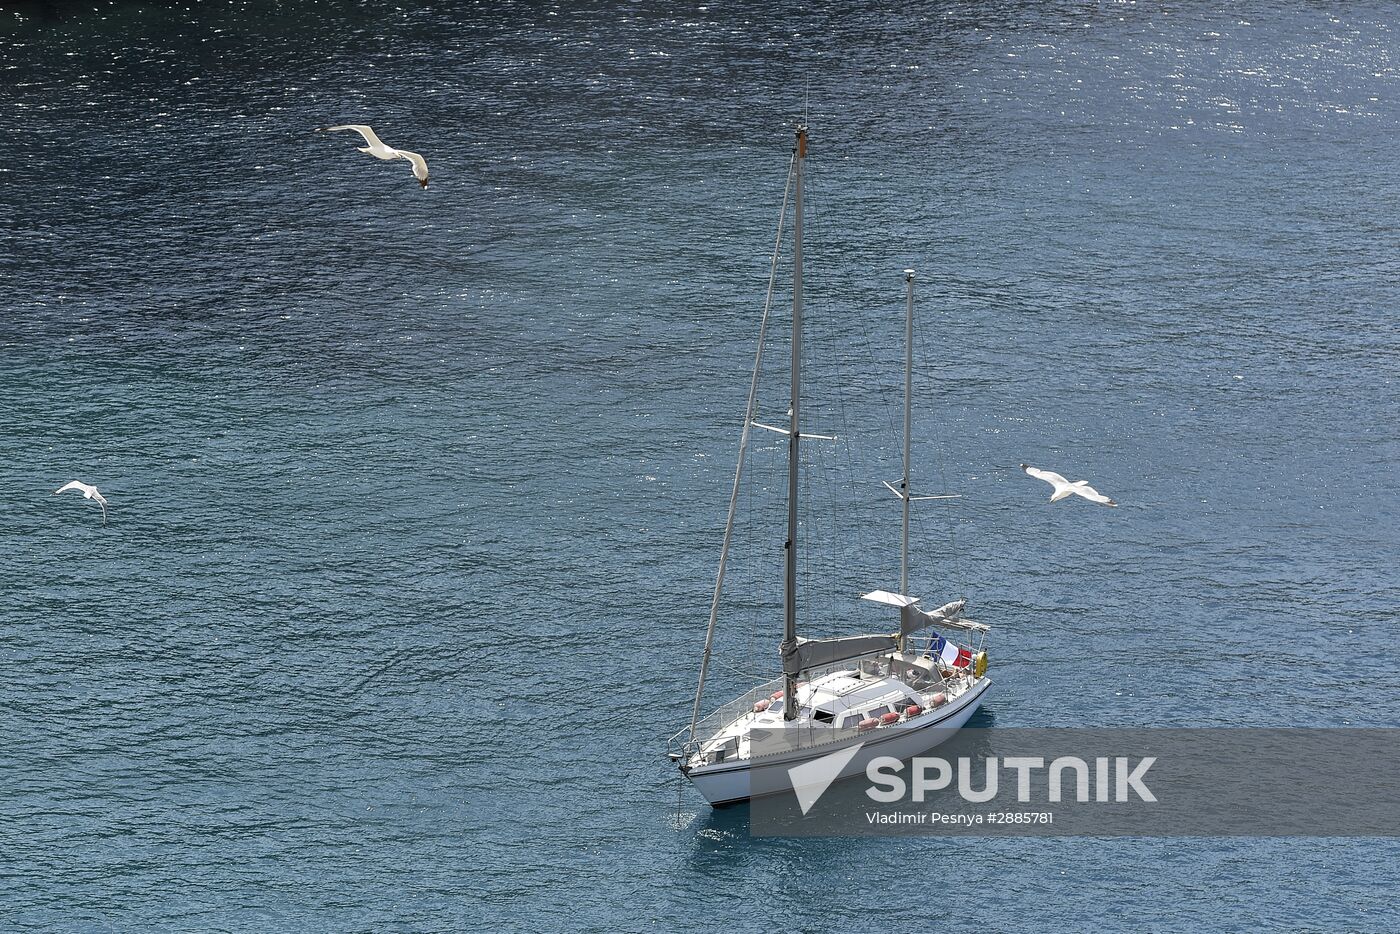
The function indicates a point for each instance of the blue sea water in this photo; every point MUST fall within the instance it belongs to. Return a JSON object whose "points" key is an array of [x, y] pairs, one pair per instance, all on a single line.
{"points": [[416, 496]]}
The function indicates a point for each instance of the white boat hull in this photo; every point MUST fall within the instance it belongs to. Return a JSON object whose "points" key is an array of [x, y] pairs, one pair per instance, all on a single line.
{"points": [[732, 782]]}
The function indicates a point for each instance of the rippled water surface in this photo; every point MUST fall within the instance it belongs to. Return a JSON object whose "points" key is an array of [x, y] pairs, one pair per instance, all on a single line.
{"points": [[416, 496]]}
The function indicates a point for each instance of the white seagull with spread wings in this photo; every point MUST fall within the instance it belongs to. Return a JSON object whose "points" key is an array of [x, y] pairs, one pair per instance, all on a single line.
{"points": [[89, 492], [1064, 488], [377, 149]]}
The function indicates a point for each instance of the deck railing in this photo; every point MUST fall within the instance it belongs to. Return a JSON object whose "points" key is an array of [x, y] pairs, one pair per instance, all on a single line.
{"points": [[715, 721], [684, 745]]}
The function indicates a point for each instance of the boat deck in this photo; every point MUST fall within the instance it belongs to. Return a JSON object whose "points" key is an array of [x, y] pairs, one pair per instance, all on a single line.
{"points": [[848, 695]]}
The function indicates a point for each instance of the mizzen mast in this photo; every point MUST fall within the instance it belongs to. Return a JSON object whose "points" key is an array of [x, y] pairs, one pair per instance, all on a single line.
{"points": [[904, 489], [908, 426]]}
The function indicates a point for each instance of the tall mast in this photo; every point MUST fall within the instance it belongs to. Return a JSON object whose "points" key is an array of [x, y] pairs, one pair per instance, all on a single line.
{"points": [[904, 490], [790, 587], [743, 454]]}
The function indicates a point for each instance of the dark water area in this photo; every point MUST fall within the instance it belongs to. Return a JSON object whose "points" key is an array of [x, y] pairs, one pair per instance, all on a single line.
{"points": [[416, 495]]}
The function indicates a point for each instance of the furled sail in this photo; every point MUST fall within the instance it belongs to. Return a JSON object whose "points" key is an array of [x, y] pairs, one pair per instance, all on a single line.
{"points": [[811, 653], [912, 619]]}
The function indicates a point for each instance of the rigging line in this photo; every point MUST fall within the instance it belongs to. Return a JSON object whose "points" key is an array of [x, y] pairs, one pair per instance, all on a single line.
{"points": [[855, 542], [869, 538], [819, 514], [806, 528], [841, 512], [743, 447], [750, 523], [959, 582], [816, 223], [882, 389], [755, 549], [809, 525], [881, 401], [838, 548], [840, 567], [766, 529], [820, 541], [744, 673], [959, 579], [824, 523]]}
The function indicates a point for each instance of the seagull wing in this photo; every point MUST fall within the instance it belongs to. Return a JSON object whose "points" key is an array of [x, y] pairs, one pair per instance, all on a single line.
{"points": [[1049, 476], [1094, 496], [72, 485], [361, 129], [420, 167]]}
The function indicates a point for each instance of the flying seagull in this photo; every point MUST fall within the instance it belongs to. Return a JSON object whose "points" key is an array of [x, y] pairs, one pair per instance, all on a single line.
{"points": [[1064, 488], [89, 492], [377, 149]]}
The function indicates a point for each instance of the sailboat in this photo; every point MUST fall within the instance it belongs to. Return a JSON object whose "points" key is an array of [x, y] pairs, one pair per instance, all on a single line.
{"points": [[895, 693]]}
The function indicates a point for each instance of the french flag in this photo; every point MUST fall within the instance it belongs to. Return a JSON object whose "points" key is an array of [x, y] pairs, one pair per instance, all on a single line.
{"points": [[951, 654]]}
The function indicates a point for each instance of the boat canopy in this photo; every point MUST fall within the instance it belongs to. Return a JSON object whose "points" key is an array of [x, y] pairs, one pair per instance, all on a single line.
{"points": [[890, 599], [811, 653]]}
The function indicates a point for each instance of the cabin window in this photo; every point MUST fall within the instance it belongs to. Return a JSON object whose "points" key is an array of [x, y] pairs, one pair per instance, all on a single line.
{"points": [[824, 716], [851, 719], [879, 712], [776, 706]]}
